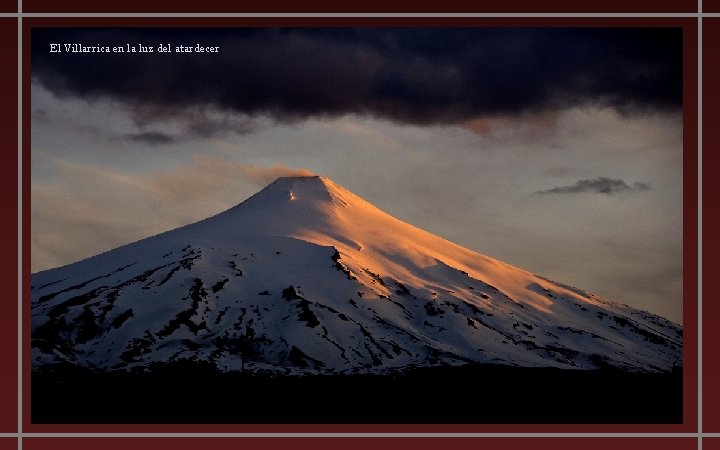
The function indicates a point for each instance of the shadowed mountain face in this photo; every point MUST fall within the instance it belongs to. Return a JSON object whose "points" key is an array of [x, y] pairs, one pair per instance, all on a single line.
{"points": [[307, 278]]}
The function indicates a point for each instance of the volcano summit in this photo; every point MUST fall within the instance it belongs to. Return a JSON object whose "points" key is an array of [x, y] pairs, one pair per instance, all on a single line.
{"points": [[307, 279]]}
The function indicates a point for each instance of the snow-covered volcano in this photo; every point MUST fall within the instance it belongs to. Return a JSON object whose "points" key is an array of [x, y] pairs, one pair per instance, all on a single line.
{"points": [[306, 277]]}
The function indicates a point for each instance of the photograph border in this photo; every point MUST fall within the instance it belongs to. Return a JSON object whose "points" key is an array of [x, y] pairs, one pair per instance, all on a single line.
{"points": [[693, 405]]}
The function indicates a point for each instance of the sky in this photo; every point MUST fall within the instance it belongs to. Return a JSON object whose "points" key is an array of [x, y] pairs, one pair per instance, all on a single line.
{"points": [[556, 150]]}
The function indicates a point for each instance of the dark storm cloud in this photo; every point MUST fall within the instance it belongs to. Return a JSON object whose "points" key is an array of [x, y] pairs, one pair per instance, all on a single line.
{"points": [[151, 137], [607, 186], [418, 76]]}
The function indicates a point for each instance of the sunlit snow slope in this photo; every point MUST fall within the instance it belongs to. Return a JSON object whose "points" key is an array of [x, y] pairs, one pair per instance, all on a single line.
{"points": [[305, 277]]}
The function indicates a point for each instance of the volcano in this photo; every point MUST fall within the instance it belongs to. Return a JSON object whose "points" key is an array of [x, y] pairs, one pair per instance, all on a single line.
{"points": [[306, 278]]}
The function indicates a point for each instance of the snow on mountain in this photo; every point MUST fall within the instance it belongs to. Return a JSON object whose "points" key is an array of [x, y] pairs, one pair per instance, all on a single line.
{"points": [[306, 277]]}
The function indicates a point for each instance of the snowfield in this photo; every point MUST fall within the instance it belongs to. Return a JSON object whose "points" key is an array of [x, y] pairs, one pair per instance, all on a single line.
{"points": [[306, 277]]}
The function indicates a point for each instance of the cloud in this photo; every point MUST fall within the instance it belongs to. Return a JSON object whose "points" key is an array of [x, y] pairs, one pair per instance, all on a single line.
{"points": [[602, 185], [415, 76], [536, 126], [151, 137], [193, 121]]}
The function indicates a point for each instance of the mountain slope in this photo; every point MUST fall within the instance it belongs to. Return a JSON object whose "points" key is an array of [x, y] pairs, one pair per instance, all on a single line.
{"points": [[307, 277]]}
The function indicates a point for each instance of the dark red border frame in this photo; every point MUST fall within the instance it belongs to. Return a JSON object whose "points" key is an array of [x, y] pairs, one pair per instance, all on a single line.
{"points": [[388, 443], [711, 222], [711, 6], [711, 443], [378, 6], [690, 224], [8, 443], [8, 237], [690, 286], [8, 6]]}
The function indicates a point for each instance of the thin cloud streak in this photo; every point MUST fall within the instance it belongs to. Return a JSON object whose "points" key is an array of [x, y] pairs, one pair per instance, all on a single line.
{"points": [[602, 185], [151, 138]]}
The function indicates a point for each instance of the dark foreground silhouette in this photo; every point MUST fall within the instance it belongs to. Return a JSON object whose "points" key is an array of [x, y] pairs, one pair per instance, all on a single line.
{"points": [[188, 392]]}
